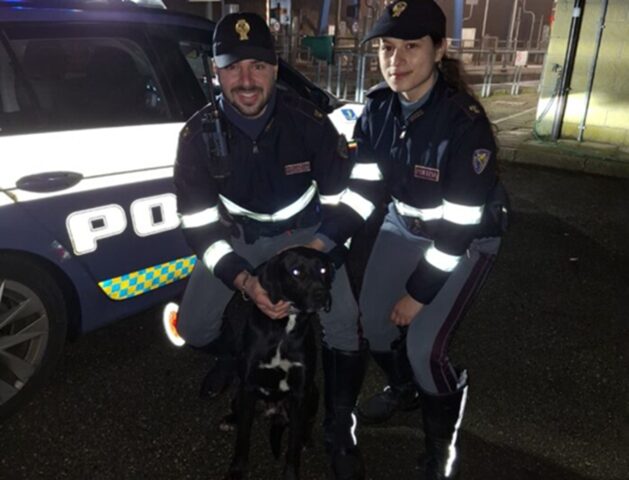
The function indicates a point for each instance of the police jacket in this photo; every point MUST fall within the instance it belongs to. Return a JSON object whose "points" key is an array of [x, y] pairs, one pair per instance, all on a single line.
{"points": [[298, 165], [438, 168]]}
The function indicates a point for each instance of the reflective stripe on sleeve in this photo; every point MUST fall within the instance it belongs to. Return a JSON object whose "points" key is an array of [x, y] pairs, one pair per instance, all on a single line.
{"points": [[366, 171], [441, 260], [462, 214], [200, 219], [424, 213], [279, 216], [358, 203], [215, 252], [331, 199]]}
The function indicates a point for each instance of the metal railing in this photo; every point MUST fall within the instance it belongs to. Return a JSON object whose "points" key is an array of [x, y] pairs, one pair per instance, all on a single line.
{"points": [[489, 66]]}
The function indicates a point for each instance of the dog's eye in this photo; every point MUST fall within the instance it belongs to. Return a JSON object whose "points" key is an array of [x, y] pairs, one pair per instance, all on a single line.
{"points": [[296, 272], [323, 270]]}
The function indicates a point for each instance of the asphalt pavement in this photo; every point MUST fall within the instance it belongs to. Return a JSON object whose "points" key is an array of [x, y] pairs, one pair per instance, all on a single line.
{"points": [[545, 345]]}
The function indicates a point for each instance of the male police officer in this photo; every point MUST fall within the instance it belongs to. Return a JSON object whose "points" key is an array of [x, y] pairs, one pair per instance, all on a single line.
{"points": [[285, 183]]}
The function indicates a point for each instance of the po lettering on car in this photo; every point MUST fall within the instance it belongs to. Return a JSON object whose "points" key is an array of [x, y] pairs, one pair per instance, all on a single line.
{"points": [[149, 216]]}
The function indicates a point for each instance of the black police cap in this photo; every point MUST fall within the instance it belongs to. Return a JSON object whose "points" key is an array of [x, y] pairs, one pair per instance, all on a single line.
{"points": [[409, 20], [241, 36]]}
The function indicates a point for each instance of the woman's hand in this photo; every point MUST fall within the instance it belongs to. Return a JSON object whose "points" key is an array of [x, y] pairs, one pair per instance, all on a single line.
{"points": [[405, 310], [250, 286]]}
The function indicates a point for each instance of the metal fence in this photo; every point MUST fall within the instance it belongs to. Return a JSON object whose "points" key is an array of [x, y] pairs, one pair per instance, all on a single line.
{"points": [[489, 66]]}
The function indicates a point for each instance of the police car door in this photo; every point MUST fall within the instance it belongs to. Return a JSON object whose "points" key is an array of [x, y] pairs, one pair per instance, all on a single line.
{"points": [[87, 148]]}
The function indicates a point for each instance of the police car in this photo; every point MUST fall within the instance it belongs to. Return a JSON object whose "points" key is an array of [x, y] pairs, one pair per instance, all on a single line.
{"points": [[93, 94]]}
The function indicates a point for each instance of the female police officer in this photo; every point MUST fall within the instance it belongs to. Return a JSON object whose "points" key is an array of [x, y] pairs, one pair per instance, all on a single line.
{"points": [[283, 182], [427, 144]]}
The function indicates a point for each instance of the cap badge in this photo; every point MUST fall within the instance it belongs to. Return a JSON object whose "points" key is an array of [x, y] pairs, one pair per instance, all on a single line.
{"points": [[398, 8], [242, 28]]}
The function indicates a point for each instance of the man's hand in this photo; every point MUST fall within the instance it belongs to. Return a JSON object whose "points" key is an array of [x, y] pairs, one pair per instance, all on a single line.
{"points": [[405, 310], [250, 286], [316, 244]]}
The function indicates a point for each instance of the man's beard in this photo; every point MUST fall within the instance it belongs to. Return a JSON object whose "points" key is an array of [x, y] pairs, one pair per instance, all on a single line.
{"points": [[246, 110]]}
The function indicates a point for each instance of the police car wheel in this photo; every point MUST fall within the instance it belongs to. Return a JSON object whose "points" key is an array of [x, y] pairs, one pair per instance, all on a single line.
{"points": [[32, 329]]}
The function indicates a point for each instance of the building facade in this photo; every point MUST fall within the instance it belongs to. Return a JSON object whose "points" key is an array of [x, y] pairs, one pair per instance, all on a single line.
{"points": [[596, 107]]}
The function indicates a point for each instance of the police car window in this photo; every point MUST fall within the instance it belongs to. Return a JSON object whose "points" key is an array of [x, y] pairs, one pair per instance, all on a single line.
{"points": [[9, 107], [198, 56], [68, 83]]}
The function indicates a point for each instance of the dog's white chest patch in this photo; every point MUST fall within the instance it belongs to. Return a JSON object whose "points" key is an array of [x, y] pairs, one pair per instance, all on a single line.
{"points": [[292, 321], [282, 363]]}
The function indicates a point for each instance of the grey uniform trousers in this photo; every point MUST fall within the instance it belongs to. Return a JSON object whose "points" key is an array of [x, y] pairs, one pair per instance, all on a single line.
{"points": [[205, 298], [394, 257]]}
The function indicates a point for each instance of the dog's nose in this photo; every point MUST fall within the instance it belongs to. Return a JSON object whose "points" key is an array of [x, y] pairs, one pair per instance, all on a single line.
{"points": [[319, 296], [319, 299]]}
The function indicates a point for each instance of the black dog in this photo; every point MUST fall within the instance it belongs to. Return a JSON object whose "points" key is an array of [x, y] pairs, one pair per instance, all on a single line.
{"points": [[277, 358]]}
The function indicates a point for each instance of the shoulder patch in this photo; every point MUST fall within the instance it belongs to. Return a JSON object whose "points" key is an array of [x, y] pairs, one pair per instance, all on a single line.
{"points": [[377, 89], [303, 106], [185, 132], [193, 125], [468, 105], [480, 160]]}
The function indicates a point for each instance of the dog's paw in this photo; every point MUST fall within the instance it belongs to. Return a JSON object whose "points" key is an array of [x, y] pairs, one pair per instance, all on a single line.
{"points": [[227, 423]]}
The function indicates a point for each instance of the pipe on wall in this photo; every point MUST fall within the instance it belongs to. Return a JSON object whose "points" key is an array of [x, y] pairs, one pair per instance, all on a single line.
{"points": [[568, 67], [324, 17], [458, 23], [532, 14], [484, 29], [471, 13], [514, 13], [592, 70]]}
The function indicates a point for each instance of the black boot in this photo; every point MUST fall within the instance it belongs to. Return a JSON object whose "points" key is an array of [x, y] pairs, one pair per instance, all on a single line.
{"points": [[343, 374], [219, 378], [399, 395], [223, 371], [442, 416]]}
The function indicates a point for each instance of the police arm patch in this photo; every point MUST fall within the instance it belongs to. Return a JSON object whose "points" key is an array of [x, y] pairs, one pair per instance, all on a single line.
{"points": [[480, 160]]}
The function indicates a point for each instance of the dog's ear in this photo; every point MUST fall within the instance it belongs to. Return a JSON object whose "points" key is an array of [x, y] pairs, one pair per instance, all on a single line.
{"points": [[268, 275], [330, 266], [338, 255]]}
